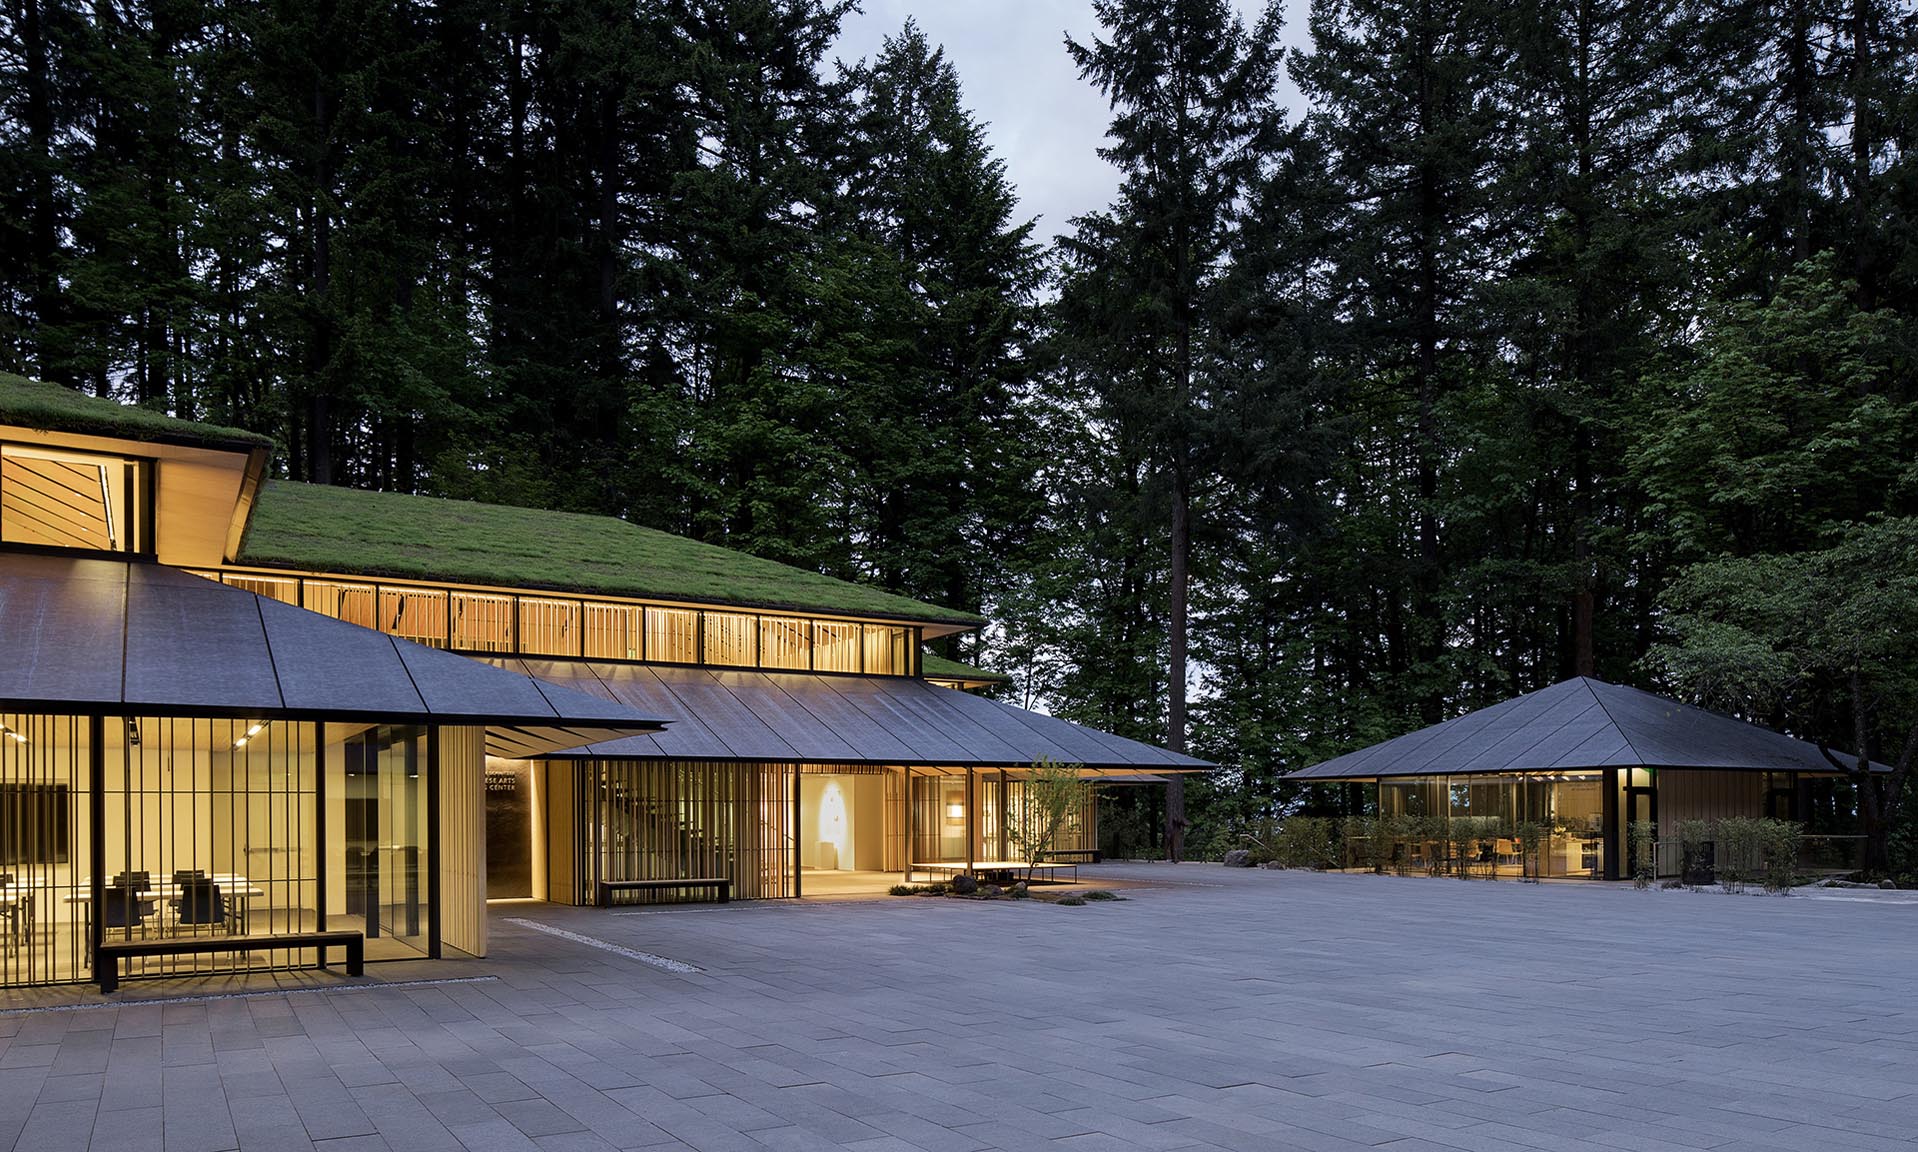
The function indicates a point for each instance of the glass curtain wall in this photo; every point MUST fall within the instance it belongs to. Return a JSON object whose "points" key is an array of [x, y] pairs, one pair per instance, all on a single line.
{"points": [[672, 819], [938, 819], [209, 830], [44, 848], [385, 838], [1465, 825], [208, 827]]}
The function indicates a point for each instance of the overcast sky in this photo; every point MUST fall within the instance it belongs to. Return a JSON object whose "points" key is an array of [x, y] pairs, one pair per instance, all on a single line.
{"points": [[1042, 119]]}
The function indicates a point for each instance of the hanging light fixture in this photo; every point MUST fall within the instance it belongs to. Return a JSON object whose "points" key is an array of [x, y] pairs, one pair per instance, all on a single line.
{"points": [[250, 734]]}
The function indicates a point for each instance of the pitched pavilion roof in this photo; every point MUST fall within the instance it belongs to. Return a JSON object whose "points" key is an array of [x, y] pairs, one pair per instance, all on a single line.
{"points": [[319, 528], [55, 408], [115, 637], [813, 719], [1578, 723]]}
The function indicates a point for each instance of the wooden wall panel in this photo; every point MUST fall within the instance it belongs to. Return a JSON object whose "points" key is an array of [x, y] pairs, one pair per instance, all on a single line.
{"points": [[1694, 794], [462, 785]]}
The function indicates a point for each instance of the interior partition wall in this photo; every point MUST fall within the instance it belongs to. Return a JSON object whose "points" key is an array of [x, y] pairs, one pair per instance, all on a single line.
{"points": [[679, 819]]}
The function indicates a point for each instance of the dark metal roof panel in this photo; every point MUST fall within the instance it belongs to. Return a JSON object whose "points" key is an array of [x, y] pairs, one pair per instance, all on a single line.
{"points": [[1578, 723], [191, 643], [822, 719], [1028, 732], [129, 635], [810, 738], [336, 671], [869, 737], [1666, 733], [60, 629], [934, 741], [640, 687], [745, 735], [456, 686]]}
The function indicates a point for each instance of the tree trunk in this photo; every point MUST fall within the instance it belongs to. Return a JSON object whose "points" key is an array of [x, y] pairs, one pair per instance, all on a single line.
{"points": [[1864, 253], [1175, 821], [44, 230], [319, 414]]}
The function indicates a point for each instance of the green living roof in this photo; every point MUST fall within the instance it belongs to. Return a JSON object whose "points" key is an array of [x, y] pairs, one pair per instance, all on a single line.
{"points": [[937, 667], [56, 408], [348, 530]]}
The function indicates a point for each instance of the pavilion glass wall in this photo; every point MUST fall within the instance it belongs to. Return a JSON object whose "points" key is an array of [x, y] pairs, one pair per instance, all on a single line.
{"points": [[1469, 824]]}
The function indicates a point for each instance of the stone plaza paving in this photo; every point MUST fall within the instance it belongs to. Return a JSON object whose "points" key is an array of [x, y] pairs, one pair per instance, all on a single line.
{"points": [[1250, 1010]]}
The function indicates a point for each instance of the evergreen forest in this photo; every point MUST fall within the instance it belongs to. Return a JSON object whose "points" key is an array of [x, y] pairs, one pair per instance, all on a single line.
{"points": [[1544, 338]]}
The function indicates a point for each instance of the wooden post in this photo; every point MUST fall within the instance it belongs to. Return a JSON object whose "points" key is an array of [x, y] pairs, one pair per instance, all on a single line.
{"points": [[970, 806]]}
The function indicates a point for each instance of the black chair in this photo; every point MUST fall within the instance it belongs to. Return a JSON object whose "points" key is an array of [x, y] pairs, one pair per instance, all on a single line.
{"points": [[138, 881], [122, 908], [17, 906], [200, 903], [185, 876]]}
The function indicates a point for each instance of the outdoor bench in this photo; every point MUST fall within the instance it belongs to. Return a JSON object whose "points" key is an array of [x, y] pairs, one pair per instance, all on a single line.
{"points": [[111, 952], [721, 884]]}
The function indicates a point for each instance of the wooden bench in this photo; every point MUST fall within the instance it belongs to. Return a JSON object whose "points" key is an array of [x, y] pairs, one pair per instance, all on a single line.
{"points": [[1073, 855], [111, 952], [999, 871], [723, 885]]}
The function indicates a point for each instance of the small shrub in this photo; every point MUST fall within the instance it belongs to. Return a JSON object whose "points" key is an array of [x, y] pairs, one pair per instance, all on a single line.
{"points": [[1737, 850], [1695, 843], [1778, 845], [1305, 842], [1531, 836], [1020, 892], [1071, 901], [902, 890], [1101, 894], [938, 889], [1642, 838]]}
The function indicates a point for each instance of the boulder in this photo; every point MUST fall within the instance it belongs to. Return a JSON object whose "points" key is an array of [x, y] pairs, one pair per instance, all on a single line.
{"points": [[1888, 884], [1272, 864], [964, 884], [1238, 858]]}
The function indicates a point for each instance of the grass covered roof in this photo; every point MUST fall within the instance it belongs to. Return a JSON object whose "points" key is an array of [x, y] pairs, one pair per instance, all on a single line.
{"points": [[348, 530], [56, 408], [938, 667]]}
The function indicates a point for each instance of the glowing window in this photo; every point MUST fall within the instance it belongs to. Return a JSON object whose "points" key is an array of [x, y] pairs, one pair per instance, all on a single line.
{"points": [[730, 639], [61, 499], [548, 627]]}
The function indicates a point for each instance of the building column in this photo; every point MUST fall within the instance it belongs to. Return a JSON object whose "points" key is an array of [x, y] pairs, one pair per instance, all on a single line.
{"points": [[971, 808], [1611, 846], [905, 863]]}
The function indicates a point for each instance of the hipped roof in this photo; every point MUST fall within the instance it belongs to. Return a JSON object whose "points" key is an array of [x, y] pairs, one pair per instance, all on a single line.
{"points": [[1579, 723], [833, 719], [113, 637]]}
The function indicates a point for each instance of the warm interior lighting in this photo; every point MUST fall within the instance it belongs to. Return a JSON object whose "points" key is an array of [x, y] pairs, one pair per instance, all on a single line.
{"points": [[250, 734], [12, 735], [955, 812]]}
